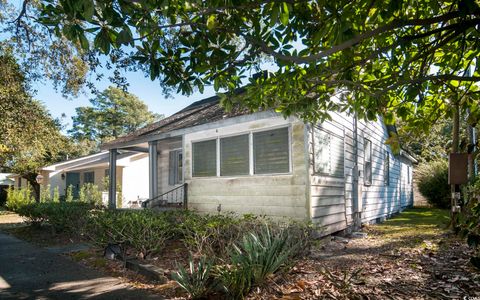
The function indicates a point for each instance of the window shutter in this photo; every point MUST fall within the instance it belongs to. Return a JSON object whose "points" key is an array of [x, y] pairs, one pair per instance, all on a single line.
{"points": [[367, 162], [234, 155], [171, 168], [337, 156], [386, 170], [205, 158], [271, 151]]}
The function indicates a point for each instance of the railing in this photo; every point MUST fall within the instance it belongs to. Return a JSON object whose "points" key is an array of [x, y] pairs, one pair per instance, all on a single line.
{"points": [[174, 198]]}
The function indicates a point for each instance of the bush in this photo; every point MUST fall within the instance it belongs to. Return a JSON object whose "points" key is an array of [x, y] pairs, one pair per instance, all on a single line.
{"points": [[17, 198], [145, 231], [432, 180], [90, 193], [469, 225], [255, 258], [62, 216], [197, 281]]}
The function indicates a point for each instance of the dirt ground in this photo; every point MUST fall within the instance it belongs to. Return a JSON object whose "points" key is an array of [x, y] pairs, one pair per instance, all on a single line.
{"points": [[411, 256]]}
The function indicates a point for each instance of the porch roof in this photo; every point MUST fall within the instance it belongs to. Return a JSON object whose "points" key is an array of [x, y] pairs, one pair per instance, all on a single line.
{"points": [[198, 113]]}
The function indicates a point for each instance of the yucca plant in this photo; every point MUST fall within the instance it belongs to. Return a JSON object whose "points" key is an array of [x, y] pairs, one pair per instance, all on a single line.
{"points": [[197, 281], [254, 259]]}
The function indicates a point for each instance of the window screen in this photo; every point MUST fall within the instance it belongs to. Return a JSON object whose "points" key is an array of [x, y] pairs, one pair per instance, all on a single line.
{"points": [[205, 158], [328, 153], [89, 177], [271, 151], [234, 156], [386, 169], [367, 162]]}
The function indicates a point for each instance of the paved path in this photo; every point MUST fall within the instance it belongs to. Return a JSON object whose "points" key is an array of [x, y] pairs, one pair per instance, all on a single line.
{"points": [[30, 272]]}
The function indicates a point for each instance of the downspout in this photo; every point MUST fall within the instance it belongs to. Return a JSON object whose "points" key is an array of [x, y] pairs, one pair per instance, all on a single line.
{"points": [[357, 218]]}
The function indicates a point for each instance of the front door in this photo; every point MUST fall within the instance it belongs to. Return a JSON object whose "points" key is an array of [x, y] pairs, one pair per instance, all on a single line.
{"points": [[73, 180]]}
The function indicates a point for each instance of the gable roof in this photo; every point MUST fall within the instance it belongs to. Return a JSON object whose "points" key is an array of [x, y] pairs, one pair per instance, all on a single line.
{"points": [[198, 113]]}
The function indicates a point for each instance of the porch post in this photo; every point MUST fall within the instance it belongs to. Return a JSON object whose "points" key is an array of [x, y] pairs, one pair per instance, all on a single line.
{"points": [[152, 169], [112, 181]]}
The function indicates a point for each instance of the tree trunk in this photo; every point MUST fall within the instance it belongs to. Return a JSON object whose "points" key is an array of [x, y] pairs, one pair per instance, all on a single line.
{"points": [[455, 142], [32, 180]]}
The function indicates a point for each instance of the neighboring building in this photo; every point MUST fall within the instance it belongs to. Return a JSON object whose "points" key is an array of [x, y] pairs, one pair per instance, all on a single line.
{"points": [[5, 183], [265, 164], [131, 175]]}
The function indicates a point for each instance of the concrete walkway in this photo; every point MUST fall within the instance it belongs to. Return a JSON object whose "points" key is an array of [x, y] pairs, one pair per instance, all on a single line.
{"points": [[30, 272]]}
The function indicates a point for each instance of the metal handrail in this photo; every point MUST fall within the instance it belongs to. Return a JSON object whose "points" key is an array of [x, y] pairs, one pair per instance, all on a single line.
{"points": [[164, 197]]}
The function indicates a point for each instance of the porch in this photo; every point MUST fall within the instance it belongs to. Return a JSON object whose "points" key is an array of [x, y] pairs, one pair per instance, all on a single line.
{"points": [[167, 189]]}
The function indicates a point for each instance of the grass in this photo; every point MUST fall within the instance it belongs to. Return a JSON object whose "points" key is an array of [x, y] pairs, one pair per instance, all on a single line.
{"points": [[415, 226]]}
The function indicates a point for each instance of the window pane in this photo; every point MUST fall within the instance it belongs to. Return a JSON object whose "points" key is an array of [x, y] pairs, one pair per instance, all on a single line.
{"points": [[271, 151], [88, 177], [386, 169], [234, 155], [205, 158], [367, 163], [321, 150], [337, 156]]}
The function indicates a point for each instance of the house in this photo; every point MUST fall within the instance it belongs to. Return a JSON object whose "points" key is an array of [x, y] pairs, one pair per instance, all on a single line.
{"points": [[5, 183], [336, 173], [94, 169]]}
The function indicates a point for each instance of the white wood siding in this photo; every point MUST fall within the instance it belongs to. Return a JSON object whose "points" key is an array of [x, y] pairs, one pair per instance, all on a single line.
{"points": [[331, 197]]}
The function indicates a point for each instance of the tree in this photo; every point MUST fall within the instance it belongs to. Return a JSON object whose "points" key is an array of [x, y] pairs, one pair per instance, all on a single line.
{"points": [[114, 112], [29, 137], [40, 54], [416, 60]]}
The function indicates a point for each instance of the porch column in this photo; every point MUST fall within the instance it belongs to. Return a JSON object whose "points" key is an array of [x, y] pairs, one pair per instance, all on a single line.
{"points": [[112, 180], [152, 169]]}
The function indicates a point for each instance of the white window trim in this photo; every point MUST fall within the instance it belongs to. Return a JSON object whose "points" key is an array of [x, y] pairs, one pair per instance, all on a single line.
{"points": [[251, 158], [315, 173]]}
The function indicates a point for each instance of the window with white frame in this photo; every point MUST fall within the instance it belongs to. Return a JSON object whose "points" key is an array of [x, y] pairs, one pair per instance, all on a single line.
{"points": [[204, 158], [271, 151], [386, 169], [234, 155], [367, 162], [270, 154], [175, 167], [328, 153]]}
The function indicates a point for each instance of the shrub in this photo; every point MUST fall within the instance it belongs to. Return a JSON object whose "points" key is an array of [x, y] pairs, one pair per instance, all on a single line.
{"points": [[254, 259], [469, 225], [198, 280], [69, 194], [62, 216], [145, 231], [17, 198], [89, 193], [432, 181]]}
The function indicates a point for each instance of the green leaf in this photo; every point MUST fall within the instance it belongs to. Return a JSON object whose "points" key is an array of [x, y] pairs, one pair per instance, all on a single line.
{"points": [[211, 22], [284, 15]]}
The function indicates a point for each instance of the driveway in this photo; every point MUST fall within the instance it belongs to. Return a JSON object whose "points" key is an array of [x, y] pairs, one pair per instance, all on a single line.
{"points": [[30, 272]]}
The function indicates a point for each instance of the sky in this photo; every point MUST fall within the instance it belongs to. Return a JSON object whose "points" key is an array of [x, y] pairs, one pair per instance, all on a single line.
{"points": [[148, 91]]}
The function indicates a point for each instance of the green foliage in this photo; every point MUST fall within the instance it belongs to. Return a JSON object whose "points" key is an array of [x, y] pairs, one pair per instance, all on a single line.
{"points": [[255, 258], [45, 193], [469, 225], [17, 198], [69, 194], [90, 193], [432, 178], [113, 113], [56, 195], [145, 231], [198, 280], [62, 216], [403, 59]]}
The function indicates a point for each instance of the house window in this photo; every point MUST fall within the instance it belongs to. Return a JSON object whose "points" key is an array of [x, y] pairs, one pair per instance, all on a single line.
{"points": [[408, 174], [204, 158], [386, 169], [175, 169], [89, 177], [328, 153], [271, 151], [234, 155], [367, 162]]}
